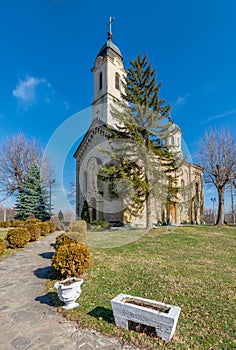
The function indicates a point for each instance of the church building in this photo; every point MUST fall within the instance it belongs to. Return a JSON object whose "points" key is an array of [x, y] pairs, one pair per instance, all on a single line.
{"points": [[108, 71]]}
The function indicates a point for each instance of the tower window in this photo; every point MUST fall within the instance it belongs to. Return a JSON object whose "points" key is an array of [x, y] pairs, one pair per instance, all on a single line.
{"points": [[100, 81], [117, 81], [172, 140]]}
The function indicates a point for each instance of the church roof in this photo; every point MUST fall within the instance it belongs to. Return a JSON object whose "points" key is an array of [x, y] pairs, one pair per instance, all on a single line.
{"points": [[109, 49]]}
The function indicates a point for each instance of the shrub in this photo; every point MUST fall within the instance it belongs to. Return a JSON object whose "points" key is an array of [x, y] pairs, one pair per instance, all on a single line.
{"points": [[32, 221], [2, 246], [34, 231], [17, 223], [52, 226], [4, 224], [71, 260], [63, 239], [18, 237], [44, 227], [85, 215], [79, 227], [77, 237], [101, 224]]}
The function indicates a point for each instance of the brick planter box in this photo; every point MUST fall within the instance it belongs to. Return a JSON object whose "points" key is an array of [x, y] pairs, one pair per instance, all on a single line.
{"points": [[147, 312]]}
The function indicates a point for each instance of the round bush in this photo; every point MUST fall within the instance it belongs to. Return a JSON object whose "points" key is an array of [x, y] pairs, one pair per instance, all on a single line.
{"points": [[32, 221], [34, 231], [2, 246], [77, 237], [71, 260], [63, 239], [18, 237], [16, 223], [44, 227], [4, 224], [52, 226]]}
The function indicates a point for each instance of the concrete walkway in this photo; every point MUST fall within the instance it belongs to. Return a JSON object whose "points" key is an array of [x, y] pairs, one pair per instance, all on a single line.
{"points": [[27, 318]]}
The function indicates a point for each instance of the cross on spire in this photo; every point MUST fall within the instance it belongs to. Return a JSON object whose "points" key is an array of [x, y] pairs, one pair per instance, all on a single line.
{"points": [[110, 27]]}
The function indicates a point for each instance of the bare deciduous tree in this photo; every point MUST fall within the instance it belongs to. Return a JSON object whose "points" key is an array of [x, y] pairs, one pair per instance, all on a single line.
{"points": [[17, 154], [217, 155]]}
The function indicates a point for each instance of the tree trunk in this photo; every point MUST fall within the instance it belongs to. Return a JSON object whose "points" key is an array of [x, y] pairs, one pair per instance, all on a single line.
{"points": [[221, 206], [148, 212]]}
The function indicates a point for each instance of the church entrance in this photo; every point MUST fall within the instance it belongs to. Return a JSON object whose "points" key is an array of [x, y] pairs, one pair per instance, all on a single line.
{"points": [[94, 210]]}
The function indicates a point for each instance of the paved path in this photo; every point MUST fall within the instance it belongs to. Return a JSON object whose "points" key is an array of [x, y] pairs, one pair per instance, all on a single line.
{"points": [[27, 319]]}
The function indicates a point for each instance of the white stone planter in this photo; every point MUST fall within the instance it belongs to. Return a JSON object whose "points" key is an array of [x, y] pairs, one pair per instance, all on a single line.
{"points": [[164, 322], [68, 291]]}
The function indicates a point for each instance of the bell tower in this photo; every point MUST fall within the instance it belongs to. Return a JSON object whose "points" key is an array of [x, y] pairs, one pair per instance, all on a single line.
{"points": [[108, 73]]}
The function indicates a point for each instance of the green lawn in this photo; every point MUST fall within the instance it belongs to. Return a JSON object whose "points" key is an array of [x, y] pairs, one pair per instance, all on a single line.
{"points": [[191, 267]]}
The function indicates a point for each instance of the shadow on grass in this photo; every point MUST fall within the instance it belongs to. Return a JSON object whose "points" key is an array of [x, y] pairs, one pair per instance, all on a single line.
{"points": [[102, 312], [47, 255]]}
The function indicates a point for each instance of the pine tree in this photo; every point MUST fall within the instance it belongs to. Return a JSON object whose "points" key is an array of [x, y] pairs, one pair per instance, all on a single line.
{"points": [[30, 200], [85, 212], [139, 151]]}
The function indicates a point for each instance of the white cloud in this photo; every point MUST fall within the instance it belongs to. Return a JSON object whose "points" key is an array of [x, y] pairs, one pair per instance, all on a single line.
{"points": [[25, 91], [181, 100], [221, 115], [66, 105]]}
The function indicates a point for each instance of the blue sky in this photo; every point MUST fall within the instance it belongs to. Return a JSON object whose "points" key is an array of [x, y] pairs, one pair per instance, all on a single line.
{"points": [[49, 46]]}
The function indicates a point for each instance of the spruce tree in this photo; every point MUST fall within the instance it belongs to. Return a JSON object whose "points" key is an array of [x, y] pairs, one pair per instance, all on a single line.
{"points": [[30, 200], [85, 212], [139, 151]]}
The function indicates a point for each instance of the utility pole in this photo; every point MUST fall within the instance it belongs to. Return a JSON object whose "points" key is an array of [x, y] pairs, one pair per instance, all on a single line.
{"points": [[51, 181], [232, 184]]}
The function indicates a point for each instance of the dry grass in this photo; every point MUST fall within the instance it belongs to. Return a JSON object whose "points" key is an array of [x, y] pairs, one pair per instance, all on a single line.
{"points": [[192, 267]]}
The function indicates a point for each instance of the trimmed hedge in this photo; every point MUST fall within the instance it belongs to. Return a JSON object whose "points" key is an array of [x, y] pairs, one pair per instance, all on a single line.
{"points": [[2, 246], [71, 260], [18, 237], [16, 223], [62, 239], [34, 230], [4, 224], [44, 227]]}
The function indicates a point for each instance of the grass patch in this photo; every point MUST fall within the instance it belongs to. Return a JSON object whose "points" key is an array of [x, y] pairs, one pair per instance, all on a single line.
{"points": [[191, 267]]}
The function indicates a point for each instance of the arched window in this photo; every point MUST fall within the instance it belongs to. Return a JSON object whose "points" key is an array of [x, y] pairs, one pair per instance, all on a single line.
{"points": [[182, 183], [117, 81], [100, 81], [172, 140]]}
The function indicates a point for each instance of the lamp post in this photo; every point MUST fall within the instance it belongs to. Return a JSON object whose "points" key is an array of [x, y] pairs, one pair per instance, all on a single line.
{"points": [[213, 203], [51, 181], [232, 185]]}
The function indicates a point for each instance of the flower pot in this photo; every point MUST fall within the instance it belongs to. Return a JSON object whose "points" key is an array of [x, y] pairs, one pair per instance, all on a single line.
{"points": [[68, 291], [162, 317]]}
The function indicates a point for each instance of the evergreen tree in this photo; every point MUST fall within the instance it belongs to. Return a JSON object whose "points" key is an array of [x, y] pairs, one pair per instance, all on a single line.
{"points": [[61, 216], [30, 200], [139, 151], [85, 212]]}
